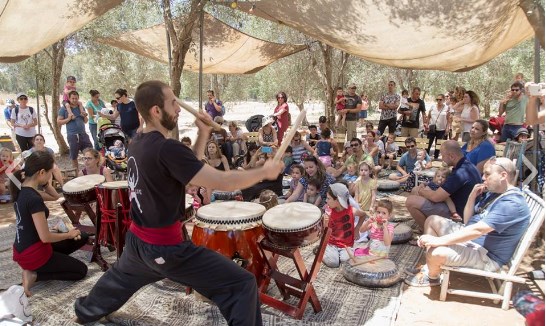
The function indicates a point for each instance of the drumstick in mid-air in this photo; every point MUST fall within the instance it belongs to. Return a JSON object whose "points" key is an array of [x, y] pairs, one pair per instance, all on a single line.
{"points": [[288, 138], [193, 111]]}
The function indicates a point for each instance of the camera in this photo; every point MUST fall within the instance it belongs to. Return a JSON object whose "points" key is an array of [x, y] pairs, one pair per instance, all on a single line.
{"points": [[267, 149], [535, 89]]}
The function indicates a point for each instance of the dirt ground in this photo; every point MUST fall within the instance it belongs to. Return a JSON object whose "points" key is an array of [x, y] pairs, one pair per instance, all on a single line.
{"points": [[421, 306]]}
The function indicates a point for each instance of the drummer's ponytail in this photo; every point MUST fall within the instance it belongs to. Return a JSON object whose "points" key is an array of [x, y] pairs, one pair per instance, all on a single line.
{"points": [[37, 161]]}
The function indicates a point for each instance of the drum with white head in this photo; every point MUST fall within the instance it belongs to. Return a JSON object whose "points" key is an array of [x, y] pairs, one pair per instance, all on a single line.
{"points": [[81, 190], [293, 225]]}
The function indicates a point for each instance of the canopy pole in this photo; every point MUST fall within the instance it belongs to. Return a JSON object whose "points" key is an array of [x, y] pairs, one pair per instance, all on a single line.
{"points": [[37, 95], [536, 145], [201, 20]]}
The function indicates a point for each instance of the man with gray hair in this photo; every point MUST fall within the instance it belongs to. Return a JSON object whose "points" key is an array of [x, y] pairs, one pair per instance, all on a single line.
{"points": [[424, 201], [495, 217]]}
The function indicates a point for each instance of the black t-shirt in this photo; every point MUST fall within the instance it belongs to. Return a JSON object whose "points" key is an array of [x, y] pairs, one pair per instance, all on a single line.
{"points": [[412, 121], [28, 202], [350, 103], [158, 169], [129, 116]]}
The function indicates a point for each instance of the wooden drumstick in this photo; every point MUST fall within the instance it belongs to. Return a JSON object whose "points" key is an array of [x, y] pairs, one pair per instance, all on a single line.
{"points": [[288, 138], [195, 113], [350, 254]]}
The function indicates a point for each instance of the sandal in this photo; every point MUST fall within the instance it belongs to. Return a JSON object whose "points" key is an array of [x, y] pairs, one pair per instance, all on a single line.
{"points": [[422, 280]]}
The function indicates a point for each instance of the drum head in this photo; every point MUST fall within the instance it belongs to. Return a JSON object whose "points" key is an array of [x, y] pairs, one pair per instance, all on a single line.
{"points": [[375, 274], [291, 216], [116, 184], [388, 185], [83, 183], [232, 214]]}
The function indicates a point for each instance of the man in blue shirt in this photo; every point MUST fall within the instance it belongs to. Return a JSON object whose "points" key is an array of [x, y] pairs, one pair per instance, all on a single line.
{"points": [[495, 216], [424, 202], [77, 138], [10, 105]]}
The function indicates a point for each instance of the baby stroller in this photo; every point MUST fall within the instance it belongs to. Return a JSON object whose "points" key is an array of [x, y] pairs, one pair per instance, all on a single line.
{"points": [[113, 143]]}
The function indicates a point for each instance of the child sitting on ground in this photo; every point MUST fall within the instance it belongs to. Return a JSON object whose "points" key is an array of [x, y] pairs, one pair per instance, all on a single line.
{"points": [[312, 195], [420, 164], [6, 159], [296, 171], [268, 198], [342, 209], [199, 195], [351, 174], [439, 178], [381, 231], [340, 105], [391, 149], [324, 149]]}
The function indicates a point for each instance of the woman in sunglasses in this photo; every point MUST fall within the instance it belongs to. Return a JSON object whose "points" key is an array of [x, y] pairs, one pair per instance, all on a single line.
{"points": [[25, 119]]}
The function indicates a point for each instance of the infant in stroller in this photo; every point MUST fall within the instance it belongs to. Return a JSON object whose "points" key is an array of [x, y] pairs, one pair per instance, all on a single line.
{"points": [[117, 150]]}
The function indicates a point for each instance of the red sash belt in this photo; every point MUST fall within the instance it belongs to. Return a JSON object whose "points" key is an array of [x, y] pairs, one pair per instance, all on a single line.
{"points": [[165, 236], [34, 256]]}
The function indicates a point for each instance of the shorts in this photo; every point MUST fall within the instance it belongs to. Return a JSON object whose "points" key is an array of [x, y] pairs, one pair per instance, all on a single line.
{"points": [[363, 114], [430, 208], [77, 143], [467, 254]]}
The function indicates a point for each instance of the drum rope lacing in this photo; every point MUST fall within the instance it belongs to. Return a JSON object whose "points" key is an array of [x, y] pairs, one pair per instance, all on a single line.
{"points": [[303, 228], [230, 222], [108, 220]]}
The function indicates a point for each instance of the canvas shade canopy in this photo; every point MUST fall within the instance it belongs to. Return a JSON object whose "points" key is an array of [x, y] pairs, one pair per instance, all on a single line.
{"points": [[27, 27], [421, 34], [226, 50]]}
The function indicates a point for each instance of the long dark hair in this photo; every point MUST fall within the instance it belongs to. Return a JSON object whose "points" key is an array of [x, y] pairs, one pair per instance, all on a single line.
{"points": [[321, 170], [37, 161]]}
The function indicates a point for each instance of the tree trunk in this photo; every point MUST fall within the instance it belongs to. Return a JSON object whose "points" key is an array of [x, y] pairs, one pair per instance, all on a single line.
{"points": [[181, 38], [535, 15], [57, 58], [301, 106], [46, 112]]}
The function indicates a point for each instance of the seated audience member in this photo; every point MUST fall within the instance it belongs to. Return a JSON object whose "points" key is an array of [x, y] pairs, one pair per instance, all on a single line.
{"points": [[425, 202], [313, 169], [479, 149], [252, 152], [522, 135], [407, 164], [371, 147], [215, 158], [439, 179], [222, 139], [341, 220], [299, 147], [324, 149], [267, 136], [41, 254], [495, 218], [296, 171], [381, 231], [312, 195], [6, 160], [268, 199], [92, 162], [287, 159], [358, 155], [275, 186], [237, 139], [391, 150], [314, 136], [200, 195], [186, 141], [351, 175], [365, 187]]}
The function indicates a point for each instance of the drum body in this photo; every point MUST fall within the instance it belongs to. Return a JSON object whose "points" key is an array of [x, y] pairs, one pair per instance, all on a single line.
{"points": [[232, 228], [109, 195], [81, 190], [293, 225], [402, 234], [380, 273]]}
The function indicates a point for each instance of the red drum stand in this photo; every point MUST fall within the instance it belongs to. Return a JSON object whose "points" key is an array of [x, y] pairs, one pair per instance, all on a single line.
{"points": [[288, 286]]}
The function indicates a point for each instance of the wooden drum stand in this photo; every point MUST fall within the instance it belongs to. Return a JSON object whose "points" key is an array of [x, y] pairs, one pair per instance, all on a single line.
{"points": [[301, 288]]}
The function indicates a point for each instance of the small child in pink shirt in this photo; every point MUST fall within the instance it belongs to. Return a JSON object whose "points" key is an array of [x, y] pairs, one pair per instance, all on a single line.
{"points": [[381, 231]]}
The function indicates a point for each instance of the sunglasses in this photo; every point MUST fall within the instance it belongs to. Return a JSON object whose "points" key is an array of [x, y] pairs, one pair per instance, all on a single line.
{"points": [[117, 98], [355, 145], [515, 90], [439, 99], [493, 160], [23, 98], [410, 146]]}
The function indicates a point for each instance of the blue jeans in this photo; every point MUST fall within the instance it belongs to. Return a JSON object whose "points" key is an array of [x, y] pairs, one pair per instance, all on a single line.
{"points": [[509, 132], [93, 130]]}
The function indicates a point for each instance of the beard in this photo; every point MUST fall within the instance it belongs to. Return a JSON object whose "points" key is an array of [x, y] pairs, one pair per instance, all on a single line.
{"points": [[167, 121]]}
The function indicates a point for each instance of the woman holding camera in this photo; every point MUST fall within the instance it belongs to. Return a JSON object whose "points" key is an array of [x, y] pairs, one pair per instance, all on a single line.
{"points": [[93, 107], [438, 118], [299, 147]]}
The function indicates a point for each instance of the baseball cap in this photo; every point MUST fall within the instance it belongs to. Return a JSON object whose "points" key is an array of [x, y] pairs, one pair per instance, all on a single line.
{"points": [[21, 94], [266, 120], [523, 131], [71, 78], [343, 196], [353, 85]]}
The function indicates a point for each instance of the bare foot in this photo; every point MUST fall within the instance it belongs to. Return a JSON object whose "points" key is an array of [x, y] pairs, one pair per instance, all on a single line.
{"points": [[77, 320], [29, 278]]}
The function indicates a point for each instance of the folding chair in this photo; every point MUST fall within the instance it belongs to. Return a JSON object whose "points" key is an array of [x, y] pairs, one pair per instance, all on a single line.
{"points": [[501, 282]]}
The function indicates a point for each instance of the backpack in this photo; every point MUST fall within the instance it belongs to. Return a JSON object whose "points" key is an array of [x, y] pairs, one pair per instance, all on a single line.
{"points": [[17, 111], [223, 108]]}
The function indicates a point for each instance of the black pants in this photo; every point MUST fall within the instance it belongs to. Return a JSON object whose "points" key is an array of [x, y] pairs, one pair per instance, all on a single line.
{"points": [[391, 123], [230, 287], [25, 143], [61, 266], [439, 134]]}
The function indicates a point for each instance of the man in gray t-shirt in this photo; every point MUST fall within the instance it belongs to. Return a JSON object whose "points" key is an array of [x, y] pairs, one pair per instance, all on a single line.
{"points": [[77, 138], [352, 108]]}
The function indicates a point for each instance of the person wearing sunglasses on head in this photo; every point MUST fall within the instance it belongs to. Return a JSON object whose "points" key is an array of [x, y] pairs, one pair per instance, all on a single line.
{"points": [[24, 119], [513, 104]]}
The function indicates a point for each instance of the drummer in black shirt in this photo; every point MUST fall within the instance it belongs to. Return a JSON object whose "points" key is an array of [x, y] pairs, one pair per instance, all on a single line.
{"points": [[158, 170]]}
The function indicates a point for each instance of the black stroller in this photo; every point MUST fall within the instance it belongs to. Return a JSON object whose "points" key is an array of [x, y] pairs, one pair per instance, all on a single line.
{"points": [[113, 143]]}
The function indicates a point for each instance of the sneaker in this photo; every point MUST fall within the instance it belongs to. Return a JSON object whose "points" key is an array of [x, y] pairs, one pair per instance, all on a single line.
{"points": [[422, 280], [417, 269]]}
